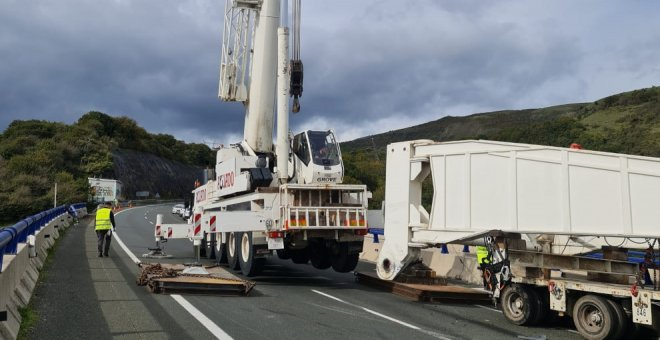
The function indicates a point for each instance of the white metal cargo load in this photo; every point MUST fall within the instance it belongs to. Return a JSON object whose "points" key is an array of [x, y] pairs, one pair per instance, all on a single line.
{"points": [[479, 186]]}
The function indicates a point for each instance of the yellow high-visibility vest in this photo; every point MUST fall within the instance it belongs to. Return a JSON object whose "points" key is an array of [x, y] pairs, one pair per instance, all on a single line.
{"points": [[103, 219], [482, 255]]}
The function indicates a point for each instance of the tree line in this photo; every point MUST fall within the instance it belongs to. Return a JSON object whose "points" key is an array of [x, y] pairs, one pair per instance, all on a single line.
{"points": [[36, 154]]}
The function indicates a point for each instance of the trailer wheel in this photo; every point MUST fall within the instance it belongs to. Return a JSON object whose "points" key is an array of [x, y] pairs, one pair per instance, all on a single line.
{"points": [[520, 304], [621, 320], [320, 256], [220, 250], [250, 264], [594, 318], [343, 261], [300, 256], [545, 316], [232, 251]]}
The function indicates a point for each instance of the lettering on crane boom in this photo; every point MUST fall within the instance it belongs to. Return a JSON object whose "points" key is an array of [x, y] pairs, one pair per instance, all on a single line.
{"points": [[200, 196], [226, 180], [323, 179]]}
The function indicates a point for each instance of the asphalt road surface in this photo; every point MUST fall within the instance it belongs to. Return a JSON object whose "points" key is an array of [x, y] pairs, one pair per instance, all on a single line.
{"points": [[301, 302]]}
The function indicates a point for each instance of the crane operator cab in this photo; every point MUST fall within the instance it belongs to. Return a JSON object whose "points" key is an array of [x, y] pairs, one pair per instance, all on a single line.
{"points": [[316, 158]]}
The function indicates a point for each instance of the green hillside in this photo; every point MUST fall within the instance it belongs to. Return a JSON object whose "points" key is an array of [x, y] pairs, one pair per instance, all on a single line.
{"points": [[35, 154], [624, 123]]}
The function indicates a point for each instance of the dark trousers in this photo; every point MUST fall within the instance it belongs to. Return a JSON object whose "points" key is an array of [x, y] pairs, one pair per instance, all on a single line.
{"points": [[102, 235]]}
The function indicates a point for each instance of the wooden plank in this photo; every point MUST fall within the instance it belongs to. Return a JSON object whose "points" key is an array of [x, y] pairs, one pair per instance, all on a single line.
{"points": [[427, 293]]}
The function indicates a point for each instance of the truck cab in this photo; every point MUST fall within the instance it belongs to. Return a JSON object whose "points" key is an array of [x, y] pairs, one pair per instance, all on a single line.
{"points": [[316, 158]]}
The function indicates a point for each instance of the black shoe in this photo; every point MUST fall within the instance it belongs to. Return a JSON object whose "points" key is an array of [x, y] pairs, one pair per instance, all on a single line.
{"points": [[106, 255], [100, 255]]}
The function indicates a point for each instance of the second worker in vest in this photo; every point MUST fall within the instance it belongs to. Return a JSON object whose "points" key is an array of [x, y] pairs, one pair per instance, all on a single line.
{"points": [[105, 224]]}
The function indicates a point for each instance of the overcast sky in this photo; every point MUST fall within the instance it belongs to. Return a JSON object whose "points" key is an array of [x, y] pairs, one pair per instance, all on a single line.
{"points": [[370, 66]]}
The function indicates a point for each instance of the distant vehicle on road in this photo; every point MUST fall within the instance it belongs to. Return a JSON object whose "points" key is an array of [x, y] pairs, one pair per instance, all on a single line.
{"points": [[186, 213], [178, 209]]}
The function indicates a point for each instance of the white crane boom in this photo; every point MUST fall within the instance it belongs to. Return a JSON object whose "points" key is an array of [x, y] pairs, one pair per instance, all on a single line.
{"points": [[251, 27]]}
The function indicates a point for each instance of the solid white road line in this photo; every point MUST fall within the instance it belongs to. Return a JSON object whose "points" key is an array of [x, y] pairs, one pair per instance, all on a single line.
{"points": [[126, 250], [194, 312], [206, 322], [439, 336]]}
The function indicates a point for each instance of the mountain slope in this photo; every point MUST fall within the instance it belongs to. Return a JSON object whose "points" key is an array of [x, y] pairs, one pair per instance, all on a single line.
{"points": [[628, 122], [624, 123]]}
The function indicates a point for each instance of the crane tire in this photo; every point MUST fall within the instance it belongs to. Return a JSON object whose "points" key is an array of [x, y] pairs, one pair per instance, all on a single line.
{"points": [[251, 265], [320, 256], [220, 250], [284, 254], [343, 261], [232, 251], [300, 256]]}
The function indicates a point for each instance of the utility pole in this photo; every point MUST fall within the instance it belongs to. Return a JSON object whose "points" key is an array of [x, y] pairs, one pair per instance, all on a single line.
{"points": [[55, 198]]}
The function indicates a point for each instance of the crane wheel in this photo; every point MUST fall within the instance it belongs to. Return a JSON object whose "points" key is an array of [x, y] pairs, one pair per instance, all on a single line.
{"points": [[232, 251], [250, 264], [284, 254], [320, 256], [203, 249], [300, 256], [343, 261], [220, 250]]}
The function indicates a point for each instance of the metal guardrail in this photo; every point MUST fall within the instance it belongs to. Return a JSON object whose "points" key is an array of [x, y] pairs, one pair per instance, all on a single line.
{"points": [[11, 236]]}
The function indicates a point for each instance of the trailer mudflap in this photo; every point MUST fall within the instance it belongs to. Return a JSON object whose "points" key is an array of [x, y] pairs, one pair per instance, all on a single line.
{"points": [[641, 306], [557, 295]]}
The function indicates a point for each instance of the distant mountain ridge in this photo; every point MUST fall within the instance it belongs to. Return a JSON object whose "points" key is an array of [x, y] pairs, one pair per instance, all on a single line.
{"points": [[624, 123]]}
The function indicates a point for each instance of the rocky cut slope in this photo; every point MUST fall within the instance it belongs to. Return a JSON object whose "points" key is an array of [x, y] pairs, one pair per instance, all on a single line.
{"points": [[141, 171]]}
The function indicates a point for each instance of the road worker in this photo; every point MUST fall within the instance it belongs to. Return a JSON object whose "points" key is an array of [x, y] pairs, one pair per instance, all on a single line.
{"points": [[105, 224], [482, 256], [483, 261]]}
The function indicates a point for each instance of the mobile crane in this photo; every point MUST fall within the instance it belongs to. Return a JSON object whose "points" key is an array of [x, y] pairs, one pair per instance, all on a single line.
{"points": [[289, 198]]}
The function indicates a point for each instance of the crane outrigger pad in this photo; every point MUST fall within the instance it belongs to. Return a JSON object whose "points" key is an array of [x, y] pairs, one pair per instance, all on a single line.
{"points": [[428, 293], [168, 278]]}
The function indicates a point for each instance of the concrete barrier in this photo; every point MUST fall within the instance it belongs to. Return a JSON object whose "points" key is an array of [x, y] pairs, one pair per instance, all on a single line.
{"points": [[20, 272]]}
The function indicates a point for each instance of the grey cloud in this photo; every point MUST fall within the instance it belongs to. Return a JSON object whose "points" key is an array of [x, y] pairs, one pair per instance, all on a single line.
{"points": [[365, 62]]}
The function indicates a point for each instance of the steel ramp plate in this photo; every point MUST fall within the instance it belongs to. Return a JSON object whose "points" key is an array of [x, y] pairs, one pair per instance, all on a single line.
{"points": [[169, 278], [206, 285]]}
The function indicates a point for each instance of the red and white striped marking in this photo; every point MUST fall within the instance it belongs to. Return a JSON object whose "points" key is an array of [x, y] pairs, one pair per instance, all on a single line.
{"points": [[169, 232], [198, 224], [157, 228], [212, 224]]}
